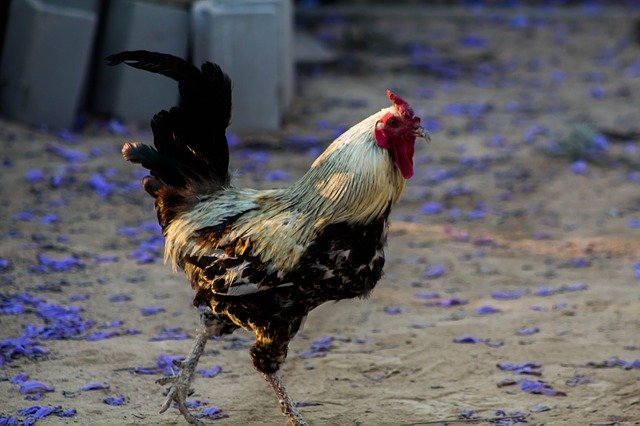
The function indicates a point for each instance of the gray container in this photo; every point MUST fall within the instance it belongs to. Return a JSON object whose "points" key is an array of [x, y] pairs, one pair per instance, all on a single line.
{"points": [[45, 60], [252, 41], [131, 94]]}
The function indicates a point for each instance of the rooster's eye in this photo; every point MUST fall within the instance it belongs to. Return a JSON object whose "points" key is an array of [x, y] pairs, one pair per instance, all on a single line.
{"points": [[393, 122]]}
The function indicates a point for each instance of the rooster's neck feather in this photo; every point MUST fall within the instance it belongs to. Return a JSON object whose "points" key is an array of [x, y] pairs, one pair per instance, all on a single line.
{"points": [[353, 181]]}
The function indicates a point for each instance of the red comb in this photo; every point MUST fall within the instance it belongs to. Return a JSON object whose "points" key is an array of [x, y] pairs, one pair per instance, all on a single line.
{"points": [[402, 106]]}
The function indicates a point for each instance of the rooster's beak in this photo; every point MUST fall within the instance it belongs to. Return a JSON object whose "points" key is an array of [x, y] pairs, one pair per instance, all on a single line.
{"points": [[422, 133]]}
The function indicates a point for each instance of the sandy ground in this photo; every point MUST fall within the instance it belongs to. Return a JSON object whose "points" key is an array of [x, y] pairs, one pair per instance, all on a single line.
{"points": [[532, 257]]}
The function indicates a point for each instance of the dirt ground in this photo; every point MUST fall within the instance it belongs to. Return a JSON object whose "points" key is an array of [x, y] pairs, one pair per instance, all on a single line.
{"points": [[530, 258]]}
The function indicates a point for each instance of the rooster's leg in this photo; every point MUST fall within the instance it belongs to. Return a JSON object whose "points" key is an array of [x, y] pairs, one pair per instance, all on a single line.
{"points": [[294, 418], [179, 390]]}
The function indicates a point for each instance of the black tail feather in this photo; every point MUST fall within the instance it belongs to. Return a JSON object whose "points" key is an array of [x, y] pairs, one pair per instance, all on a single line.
{"points": [[191, 150]]}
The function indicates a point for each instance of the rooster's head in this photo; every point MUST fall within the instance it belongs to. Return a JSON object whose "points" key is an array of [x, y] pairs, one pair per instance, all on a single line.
{"points": [[397, 130]]}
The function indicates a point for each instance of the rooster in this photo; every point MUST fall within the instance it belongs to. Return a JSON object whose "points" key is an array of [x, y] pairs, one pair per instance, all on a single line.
{"points": [[262, 259]]}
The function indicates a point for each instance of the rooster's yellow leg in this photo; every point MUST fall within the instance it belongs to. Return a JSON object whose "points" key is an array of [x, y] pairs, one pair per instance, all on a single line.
{"points": [[179, 389], [294, 418]]}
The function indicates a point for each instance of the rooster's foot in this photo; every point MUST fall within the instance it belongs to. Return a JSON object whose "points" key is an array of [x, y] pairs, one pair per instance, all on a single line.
{"points": [[178, 392]]}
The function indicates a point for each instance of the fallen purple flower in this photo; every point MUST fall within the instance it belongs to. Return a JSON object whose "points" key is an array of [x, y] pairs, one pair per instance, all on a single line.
{"points": [[436, 270], [545, 291], [431, 208], [9, 420], [34, 175], [578, 379], [168, 364], [119, 298], [69, 412], [48, 264], [580, 262], [66, 153], [509, 418], [33, 396], [452, 301], [319, 348], [494, 343], [210, 372], [527, 331], [532, 368], [19, 378], [116, 127], [94, 386], [111, 324], [213, 412], [100, 185], [33, 386], [49, 218], [539, 387], [393, 310], [102, 335], [114, 400], [144, 370], [151, 310], [5, 264], [579, 167], [509, 294], [539, 408], [634, 223], [23, 216], [468, 414], [170, 333], [467, 338], [636, 270], [106, 259], [570, 288], [277, 176], [427, 295], [486, 310]]}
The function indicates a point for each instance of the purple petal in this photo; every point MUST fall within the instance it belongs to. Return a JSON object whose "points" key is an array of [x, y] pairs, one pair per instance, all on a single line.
{"points": [[19, 378], [114, 400], [34, 386], [527, 331], [509, 294], [427, 295], [634, 223], [194, 403], [69, 412], [167, 363], [431, 208], [119, 298], [539, 408], [487, 309], [210, 372], [538, 387], [319, 348], [393, 310], [34, 175], [452, 301], [545, 291], [579, 167], [170, 333], [94, 386], [151, 310], [436, 270], [212, 412], [570, 288], [467, 338]]}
